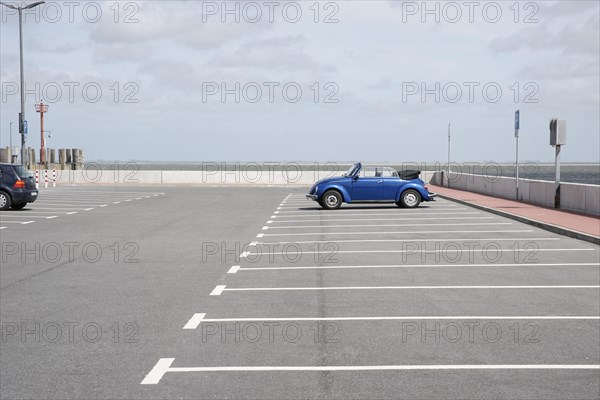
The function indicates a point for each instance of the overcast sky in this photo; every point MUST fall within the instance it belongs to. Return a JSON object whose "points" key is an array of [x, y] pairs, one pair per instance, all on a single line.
{"points": [[289, 81]]}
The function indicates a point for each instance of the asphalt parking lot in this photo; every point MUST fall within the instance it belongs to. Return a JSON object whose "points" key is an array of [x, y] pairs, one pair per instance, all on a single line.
{"points": [[134, 292]]}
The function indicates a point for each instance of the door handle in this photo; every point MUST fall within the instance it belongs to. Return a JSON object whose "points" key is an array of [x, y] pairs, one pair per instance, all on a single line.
{"points": [[379, 181]]}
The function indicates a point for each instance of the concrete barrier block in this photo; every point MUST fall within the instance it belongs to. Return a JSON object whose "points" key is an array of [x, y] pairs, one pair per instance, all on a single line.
{"points": [[592, 200], [572, 197]]}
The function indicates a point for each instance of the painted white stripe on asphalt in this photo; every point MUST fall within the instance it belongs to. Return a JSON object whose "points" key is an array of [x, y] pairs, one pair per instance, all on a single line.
{"points": [[217, 290], [407, 318], [71, 213], [389, 232], [488, 265], [164, 365], [2, 227], [88, 209], [260, 235], [379, 219], [25, 223], [395, 214], [234, 269], [414, 251], [503, 287], [403, 240], [158, 371], [384, 225], [52, 217], [343, 211], [194, 321]]}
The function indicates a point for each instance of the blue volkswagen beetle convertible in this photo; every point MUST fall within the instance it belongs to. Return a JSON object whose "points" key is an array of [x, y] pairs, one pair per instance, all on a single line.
{"points": [[362, 184]]}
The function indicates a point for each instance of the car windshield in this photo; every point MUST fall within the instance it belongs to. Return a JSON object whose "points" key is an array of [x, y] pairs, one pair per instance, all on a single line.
{"points": [[351, 171], [23, 172]]}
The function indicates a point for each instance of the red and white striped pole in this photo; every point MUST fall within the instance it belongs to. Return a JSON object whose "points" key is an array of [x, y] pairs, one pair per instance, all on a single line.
{"points": [[46, 178], [37, 179], [54, 178]]}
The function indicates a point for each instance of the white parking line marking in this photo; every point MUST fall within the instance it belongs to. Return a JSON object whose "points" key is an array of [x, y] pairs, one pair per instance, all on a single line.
{"points": [[27, 223], [164, 365], [395, 214], [117, 202], [14, 222], [413, 251], [264, 228], [71, 213], [276, 212], [217, 290], [382, 225], [488, 265], [260, 235], [343, 211], [446, 287], [389, 232], [158, 371], [382, 219], [252, 244], [244, 254], [2, 227], [406, 318], [404, 240], [104, 205], [52, 217], [234, 269], [194, 321], [88, 209]]}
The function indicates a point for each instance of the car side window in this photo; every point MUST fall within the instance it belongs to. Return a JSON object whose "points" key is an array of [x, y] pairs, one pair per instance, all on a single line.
{"points": [[368, 172]]}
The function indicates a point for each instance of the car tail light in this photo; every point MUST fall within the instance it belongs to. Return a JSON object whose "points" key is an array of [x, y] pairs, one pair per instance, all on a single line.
{"points": [[19, 184], [427, 188]]}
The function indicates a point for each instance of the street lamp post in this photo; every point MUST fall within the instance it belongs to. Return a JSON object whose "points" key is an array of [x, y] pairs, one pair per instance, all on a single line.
{"points": [[22, 114]]}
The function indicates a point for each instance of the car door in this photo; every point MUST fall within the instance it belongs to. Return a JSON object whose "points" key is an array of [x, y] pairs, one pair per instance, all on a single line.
{"points": [[391, 184], [369, 185]]}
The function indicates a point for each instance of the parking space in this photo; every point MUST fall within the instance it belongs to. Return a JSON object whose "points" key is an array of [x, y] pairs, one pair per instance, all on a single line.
{"points": [[374, 300], [65, 201]]}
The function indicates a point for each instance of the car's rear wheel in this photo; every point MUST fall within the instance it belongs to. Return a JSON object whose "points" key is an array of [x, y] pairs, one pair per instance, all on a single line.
{"points": [[331, 200], [4, 201], [18, 206], [410, 199]]}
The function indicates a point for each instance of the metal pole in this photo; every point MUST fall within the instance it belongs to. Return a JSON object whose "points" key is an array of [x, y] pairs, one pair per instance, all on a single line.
{"points": [[517, 163], [557, 177], [21, 130], [10, 135], [449, 123]]}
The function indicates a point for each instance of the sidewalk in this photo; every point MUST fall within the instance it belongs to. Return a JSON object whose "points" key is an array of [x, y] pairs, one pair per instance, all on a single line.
{"points": [[562, 222]]}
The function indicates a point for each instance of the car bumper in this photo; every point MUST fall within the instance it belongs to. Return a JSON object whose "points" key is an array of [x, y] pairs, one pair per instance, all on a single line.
{"points": [[24, 196], [312, 197], [432, 196]]}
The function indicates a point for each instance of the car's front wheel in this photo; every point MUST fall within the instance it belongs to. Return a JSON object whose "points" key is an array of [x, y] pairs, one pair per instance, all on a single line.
{"points": [[409, 199], [18, 206], [4, 201], [331, 200]]}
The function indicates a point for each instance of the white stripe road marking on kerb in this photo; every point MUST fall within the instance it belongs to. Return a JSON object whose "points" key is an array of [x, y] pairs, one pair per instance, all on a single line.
{"points": [[164, 365], [194, 321], [234, 269], [217, 290]]}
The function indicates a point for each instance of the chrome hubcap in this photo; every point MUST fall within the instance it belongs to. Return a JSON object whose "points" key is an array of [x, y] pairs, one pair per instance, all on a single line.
{"points": [[410, 199], [332, 201], [2, 200]]}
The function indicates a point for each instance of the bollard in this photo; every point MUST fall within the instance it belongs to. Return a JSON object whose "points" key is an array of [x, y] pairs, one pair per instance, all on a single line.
{"points": [[37, 179], [46, 178], [54, 178]]}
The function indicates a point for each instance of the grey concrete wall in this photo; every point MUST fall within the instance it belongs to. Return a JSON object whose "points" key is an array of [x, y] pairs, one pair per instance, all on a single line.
{"points": [[576, 197], [244, 177]]}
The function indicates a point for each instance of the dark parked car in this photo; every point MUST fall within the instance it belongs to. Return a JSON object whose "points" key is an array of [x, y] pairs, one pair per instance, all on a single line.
{"points": [[17, 187], [371, 184]]}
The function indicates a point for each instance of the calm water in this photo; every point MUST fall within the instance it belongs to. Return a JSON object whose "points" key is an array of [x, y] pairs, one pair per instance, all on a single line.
{"points": [[576, 173]]}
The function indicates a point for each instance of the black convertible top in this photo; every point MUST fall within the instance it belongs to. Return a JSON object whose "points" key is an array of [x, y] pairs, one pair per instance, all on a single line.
{"points": [[409, 174]]}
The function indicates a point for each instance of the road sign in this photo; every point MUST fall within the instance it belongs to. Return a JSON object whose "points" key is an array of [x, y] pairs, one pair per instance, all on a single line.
{"points": [[25, 127], [517, 119]]}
